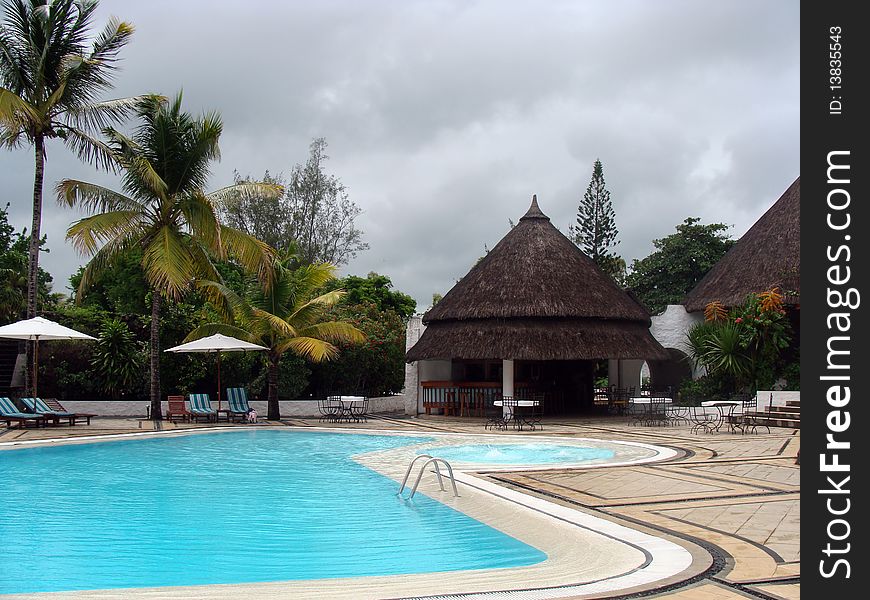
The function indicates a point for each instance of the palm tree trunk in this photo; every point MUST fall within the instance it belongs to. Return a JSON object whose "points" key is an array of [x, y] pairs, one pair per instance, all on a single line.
{"points": [[156, 409], [274, 412], [33, 250]]}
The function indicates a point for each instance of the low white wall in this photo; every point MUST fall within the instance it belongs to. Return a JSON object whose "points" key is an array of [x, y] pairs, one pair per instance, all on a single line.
{"points": [[776, 397], [289, 408]]}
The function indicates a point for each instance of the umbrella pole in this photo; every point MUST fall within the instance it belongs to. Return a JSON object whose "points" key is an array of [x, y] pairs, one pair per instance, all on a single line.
{"points": [[219, 379], [35, 368]]}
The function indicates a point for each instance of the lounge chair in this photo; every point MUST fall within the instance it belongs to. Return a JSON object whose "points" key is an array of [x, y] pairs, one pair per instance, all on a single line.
{"points": [[54, 411], [238, 401], [177, 409], [9, 412], [200, 406]]}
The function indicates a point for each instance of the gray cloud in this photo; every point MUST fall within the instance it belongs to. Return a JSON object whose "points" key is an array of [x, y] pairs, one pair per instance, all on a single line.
{"points": [[444, 117]]}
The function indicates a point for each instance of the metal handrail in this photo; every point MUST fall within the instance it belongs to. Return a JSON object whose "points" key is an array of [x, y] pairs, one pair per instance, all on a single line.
{"points": [[411, 466], [435, 461]]}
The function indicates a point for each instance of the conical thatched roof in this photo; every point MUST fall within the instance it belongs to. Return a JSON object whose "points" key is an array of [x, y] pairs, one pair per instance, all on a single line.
{"points": [[767, 256], [536, 296]]}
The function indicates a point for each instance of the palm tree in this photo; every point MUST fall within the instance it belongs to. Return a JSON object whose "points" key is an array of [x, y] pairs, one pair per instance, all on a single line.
{"points": [[49, 82], [164, 211], [286, 317]]}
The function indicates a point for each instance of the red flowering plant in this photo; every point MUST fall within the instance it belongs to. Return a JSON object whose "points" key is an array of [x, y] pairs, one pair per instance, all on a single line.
{"points": [[744, 346]]}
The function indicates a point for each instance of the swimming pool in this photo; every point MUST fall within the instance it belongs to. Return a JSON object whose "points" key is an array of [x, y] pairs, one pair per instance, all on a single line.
{"points": [[230, 507], [526, 454]]}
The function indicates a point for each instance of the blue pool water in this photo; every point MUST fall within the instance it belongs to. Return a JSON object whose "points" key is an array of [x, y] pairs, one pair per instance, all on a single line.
{"points": [[225, 508], [519, 454]]}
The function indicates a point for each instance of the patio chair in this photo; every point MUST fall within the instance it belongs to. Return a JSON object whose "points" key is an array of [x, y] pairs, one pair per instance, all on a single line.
{"points": [[701, 419], [601, 398], [620, 399], [494, 414], [238, 402], [200, 407], [534, 413], [177, 409], [52, 410], [745, 416], [9, 412], [358, 411], [330, 408]]}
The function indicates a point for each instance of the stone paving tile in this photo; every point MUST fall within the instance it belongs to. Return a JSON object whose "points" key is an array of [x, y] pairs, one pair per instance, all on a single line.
{"points": [[773, 523], [762, 445], [704, 591], [785, 591], [761, 472]]}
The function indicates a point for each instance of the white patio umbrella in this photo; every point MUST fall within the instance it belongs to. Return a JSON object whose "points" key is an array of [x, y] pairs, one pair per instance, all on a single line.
{"points": [[217, 343], [36, 329]]}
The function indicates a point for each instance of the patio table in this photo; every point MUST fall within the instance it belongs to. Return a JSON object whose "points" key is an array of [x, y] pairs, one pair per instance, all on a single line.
{"points": [[721, 406], [515, 417], [646, 415], [351, 407]]}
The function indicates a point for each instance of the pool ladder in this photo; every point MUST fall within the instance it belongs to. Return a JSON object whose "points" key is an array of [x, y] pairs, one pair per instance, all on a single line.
{"points": [[434, 461]]}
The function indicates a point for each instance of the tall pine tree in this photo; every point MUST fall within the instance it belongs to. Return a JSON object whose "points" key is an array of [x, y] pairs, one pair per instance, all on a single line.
{"points": [[595, 232]]}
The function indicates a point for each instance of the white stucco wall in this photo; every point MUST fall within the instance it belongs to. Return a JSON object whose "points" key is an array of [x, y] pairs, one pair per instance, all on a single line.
{"points": [[670, 328], [412, 371], [289, 408]]}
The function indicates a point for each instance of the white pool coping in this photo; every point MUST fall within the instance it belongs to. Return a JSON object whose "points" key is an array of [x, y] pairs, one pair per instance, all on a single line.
{"points": [[555, 528]]}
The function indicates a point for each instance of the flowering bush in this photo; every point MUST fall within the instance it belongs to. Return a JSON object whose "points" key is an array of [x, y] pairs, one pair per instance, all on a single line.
{"points": [[744, 347]]}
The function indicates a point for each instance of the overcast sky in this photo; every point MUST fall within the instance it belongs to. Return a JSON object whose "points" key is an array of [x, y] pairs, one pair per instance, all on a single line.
{"points": [[444, 117]]}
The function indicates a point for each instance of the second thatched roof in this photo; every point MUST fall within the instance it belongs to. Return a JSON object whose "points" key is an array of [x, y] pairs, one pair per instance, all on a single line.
{"points": [[536, 296], [767, 256]]}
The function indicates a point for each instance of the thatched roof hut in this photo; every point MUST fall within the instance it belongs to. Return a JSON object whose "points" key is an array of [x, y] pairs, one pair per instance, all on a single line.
{"points": [[536, 296], [767, 256]]}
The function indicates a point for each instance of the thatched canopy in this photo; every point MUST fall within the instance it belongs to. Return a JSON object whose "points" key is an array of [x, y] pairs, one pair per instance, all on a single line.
{"points": [[767, 256], [536, 296]]}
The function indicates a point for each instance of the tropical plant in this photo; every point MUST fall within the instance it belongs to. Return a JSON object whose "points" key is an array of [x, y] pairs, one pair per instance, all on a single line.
{"points": [[164, 211], [116, 359], [373, 368], [715, 311], [743, 347], [288, 316], [50, 78]]}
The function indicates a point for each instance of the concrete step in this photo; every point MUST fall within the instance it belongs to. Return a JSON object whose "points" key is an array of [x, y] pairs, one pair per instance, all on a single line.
{"points": [[790, 420], [794, 403], [786, 409]]}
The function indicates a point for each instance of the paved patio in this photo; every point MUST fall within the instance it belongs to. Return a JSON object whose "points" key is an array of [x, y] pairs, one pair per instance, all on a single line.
{"points": [[736, 496]]}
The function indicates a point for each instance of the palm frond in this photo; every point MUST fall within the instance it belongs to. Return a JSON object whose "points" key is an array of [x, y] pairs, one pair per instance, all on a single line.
{"points": [[311, 348], [90, 149], [92, 197], [92, 73], [104, 257], [203, 265], [89, 233], [15, 111], [231, 306], [252, 254], [200, 217], [167, 262], [312, 311], [231, 330], [276, 324], [334, 331], [246, 191], [98, 116]]}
